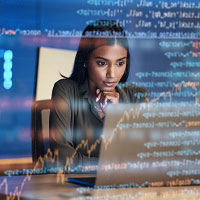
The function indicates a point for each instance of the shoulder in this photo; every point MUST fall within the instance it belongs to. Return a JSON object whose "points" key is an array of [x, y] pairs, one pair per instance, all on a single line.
{"points": [[133, 92], [65, 86], [66, 83]]}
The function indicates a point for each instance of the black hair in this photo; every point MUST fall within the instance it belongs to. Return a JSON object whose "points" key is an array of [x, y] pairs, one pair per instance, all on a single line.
{"points": [[109, 30]]}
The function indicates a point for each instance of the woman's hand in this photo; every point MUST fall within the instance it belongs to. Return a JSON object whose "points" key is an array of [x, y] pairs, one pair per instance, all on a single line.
{"points": [[103, 98]]}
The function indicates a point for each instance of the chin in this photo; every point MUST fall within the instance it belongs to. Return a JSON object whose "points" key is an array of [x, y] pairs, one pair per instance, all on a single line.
{"points": [[108, 89]]}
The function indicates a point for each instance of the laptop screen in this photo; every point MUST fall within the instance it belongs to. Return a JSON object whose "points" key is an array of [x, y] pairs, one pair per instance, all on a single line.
{"points": [[150, 145]]}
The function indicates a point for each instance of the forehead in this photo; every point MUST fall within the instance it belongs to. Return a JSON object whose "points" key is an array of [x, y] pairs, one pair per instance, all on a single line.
{"points": [[109, 52]]}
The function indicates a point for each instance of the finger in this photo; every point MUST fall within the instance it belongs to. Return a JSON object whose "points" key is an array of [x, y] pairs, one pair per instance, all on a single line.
{"points": [[98, 91], [111, 94], [98, 95], [105, 101], [111, 97], [107, 97]]}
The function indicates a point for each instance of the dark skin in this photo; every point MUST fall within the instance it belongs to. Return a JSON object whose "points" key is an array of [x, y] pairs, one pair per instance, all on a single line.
{"points": [[106, 66]]}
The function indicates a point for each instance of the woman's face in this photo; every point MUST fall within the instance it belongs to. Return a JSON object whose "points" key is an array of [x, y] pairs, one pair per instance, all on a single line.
{"points": [[106, 66]]}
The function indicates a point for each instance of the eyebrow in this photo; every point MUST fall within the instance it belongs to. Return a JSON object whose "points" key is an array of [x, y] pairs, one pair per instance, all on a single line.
{"points": [[98, 57]]}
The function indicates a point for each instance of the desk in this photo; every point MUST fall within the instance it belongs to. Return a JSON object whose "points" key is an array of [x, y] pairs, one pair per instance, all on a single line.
{"points": [[40, 187]]}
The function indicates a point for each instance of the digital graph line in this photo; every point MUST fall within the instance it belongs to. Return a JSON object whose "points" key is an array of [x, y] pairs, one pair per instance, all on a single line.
{"points": [[132, 114], [178, 88], [18, 190]]}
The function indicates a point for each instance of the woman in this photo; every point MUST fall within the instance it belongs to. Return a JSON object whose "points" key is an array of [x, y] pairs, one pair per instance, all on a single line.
{"points": [[80, 102]]}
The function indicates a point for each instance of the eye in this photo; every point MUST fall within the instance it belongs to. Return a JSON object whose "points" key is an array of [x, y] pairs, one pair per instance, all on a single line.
{"points": [[120, 63], [102, 63]]}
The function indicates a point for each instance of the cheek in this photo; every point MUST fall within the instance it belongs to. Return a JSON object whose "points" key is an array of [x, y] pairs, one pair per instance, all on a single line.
{"points": [[98, 74], [121, 72], [95, 72]]}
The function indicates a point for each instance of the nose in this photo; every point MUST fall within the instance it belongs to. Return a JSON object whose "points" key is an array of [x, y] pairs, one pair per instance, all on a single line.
{"points": [[110, 71]]}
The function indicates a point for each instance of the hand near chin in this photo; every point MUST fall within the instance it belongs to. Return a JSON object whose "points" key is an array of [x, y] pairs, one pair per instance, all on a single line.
{"points": [[103, 98]]}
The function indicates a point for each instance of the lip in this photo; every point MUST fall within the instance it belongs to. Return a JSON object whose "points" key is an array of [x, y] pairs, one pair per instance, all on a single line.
{"points": [[109, 83]]}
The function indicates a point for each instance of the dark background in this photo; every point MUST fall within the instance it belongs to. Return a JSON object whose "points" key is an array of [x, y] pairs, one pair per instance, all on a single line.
{"points": [[27, 25]]}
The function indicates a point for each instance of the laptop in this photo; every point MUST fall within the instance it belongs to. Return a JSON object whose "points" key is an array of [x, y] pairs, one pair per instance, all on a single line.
{"points": [[148, 145]]}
